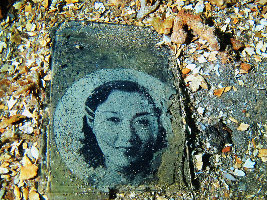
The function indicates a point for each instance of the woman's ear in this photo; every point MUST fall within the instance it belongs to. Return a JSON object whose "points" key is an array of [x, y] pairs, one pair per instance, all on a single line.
{"points": [[89, 116], [89, 121]]}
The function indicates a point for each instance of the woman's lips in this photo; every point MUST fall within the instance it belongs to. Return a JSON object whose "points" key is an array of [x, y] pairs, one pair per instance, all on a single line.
{"points": [[126, 148], [128, 151]]}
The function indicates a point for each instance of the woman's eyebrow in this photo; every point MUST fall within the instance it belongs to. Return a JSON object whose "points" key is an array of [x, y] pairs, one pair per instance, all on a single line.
{"points": [[107, 111]]}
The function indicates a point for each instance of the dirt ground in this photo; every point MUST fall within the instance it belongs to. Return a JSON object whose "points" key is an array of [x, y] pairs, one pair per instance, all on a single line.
{"points": [[220, 50]]}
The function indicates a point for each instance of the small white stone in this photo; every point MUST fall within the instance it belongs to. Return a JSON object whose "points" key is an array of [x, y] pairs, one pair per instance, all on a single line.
{"points": [[228, 20], [206, 54], [201, 110], [132, 195], [264, 55], [199, 7], [26, 128], [3, 170], [11, 103], [27, 113], [229, 177], [239, 172], [18, 5], [166, 39], [129, 11], [247, 11], [199, 163], [7, 68], [240, 82], [220, 85], [255, 152], [249, 164], [259, 46], [2, 46], [263, 22], [218, 159], [35, 152], [15, 63], [250, 50], [201, 59], [195, 82], [216, 69], [259, 27], [188, 7], [99, 6], [251, 22], [191, 66], [264, 47], [201, 41], [245, 27], [196, 70], [223, 28], [192, 50]]}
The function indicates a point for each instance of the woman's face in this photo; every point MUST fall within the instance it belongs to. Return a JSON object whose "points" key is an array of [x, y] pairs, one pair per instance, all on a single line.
{"points": [[125, 127]]}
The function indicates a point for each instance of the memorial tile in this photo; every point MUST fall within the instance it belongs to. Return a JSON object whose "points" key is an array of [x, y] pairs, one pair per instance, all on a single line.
{"points": [[113, 120]]}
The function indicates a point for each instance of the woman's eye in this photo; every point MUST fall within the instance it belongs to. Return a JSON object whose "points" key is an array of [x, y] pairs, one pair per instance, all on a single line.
{"points": [[114, 119], [143, 122]]}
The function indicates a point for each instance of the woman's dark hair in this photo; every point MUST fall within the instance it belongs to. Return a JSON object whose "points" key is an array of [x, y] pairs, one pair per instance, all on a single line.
{"points": [[90, 150]]}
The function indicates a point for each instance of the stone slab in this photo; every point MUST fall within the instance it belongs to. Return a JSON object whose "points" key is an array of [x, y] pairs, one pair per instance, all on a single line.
{"points": [[114, 122]]}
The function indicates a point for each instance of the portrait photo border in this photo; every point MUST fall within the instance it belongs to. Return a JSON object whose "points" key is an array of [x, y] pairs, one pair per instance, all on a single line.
{"points": [[69, 113]]}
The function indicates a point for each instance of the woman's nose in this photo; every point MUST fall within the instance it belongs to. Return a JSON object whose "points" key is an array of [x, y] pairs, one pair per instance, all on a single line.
{"points": [[124, 135]]}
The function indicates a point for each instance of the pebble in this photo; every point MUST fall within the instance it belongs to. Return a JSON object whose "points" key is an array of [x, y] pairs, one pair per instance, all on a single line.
{"points": [[223, 28], [259, 27], [27, 128], [191, 66], [264, 55], [239, 172], [34, 152], [263, 22], [251, 22], [132, 194], [99, 6], [228, 20], [216, 68], [2, 192], [188, 7], [199, 7], [249, 164], [167, 39], [201, 59], [264, 47], [199, 163], [201, 110], [229, 176], [250, 50], [206, 54], [2, 46], [259, 46], [3, 170], [11, 103]]}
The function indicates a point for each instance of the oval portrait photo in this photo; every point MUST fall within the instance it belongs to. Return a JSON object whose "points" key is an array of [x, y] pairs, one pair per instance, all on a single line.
{"points": [[111, 127]]}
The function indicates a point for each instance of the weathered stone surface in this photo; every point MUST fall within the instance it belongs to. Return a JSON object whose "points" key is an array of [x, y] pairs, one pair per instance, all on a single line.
{"points": [[111, 92]]}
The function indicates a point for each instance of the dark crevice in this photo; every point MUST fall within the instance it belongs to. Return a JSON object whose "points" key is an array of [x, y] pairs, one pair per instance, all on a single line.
{"points": [[190, 35], [112, 193], [190, 137], [209, 21], [5, 6], [224, 39]]}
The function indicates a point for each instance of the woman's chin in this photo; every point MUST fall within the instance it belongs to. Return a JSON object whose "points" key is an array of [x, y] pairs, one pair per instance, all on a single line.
{"points": [[117, 163]]}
